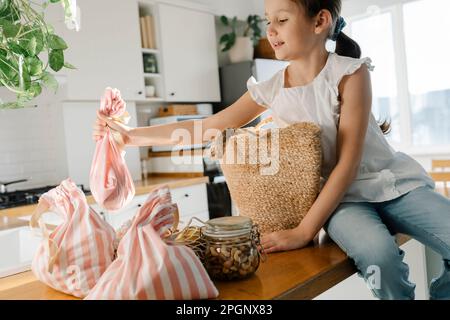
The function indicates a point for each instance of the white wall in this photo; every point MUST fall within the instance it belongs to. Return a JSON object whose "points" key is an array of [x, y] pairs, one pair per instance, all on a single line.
{"points": [[32, 145]]}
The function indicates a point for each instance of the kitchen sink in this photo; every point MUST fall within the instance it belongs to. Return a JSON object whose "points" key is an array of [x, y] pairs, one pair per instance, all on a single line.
{"points": [[17, 248]]}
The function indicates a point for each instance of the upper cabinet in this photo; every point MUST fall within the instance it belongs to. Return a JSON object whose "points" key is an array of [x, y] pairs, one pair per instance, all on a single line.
{"points": [[189, 54], [106, 51], [109, 51]]}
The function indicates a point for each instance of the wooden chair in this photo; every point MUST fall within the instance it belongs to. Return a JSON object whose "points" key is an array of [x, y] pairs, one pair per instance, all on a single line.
{"points": [[442, 177], [443, 165]]}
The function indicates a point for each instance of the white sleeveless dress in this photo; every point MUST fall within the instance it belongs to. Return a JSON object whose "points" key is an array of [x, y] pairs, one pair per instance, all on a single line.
{"points": [[384, 174]]}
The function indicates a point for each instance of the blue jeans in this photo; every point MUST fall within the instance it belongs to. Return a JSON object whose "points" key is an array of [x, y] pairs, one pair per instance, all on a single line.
{"points": [[365, 232]]}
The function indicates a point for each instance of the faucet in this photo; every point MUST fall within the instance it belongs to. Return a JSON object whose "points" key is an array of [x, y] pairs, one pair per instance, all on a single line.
{"points": [[4, 184]]}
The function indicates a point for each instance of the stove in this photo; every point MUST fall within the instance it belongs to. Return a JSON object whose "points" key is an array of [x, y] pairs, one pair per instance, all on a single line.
{"points": [[25, 197]]}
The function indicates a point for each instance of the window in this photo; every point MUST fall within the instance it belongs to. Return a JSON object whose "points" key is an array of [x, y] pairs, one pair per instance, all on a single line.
{"points": [[411, 81], [374, 35], [426, 24]]}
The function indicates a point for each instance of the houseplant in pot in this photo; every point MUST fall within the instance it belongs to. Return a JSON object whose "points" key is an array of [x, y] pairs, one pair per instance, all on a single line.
{"points": [[241, 48], [29, 48]]}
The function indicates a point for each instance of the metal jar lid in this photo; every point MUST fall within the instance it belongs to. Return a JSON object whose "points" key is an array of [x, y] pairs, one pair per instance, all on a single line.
{"points": [[228, 226]]}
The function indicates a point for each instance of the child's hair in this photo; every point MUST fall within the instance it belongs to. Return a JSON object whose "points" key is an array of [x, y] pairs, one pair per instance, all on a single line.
{"points": [[345, 46]]}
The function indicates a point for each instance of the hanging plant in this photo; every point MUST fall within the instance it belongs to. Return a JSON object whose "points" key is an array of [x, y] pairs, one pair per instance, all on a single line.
{"points": [[29, 48]]}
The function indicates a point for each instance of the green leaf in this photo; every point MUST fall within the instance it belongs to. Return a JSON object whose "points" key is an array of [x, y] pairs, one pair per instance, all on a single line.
{"points": [[56, 59], [4, 4], [67, 9], [50, 28], [10, 13], [224, 20], [10, 29], [39, 36], [54, 1], [224, 38], [29, 45], [7, 69], [69, 66], [230, 43], [35, 89], [49, 81], [17, 49], [34, 65], [56, 42]]}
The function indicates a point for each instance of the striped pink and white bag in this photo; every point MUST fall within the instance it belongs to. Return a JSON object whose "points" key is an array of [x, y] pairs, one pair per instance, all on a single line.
{"points": [[110, 181], [148, 268], [73, 256]]}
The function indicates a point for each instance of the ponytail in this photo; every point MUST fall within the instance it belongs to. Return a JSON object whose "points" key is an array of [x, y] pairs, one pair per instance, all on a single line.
{"points": [[347, 47]]}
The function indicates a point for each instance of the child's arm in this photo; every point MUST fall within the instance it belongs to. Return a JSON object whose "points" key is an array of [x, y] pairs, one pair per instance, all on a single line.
{"points": [[356, 101], [244, 110]]}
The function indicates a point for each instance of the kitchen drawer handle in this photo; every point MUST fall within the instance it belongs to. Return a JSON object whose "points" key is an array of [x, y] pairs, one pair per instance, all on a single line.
{"points": [[172, 94], [139, 205], [186, 195]]}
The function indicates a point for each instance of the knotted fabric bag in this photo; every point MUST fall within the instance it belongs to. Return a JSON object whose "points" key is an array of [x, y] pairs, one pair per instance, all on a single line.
{"points": [[110, 181], [147, 267], [273, 174], [73, 256]]}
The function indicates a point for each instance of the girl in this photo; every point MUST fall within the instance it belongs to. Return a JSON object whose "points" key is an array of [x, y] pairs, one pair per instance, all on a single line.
{"points": [[371, 192]]}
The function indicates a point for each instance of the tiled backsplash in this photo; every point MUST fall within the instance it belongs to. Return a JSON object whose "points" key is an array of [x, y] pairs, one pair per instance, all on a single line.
{"points": [[32, 146]]}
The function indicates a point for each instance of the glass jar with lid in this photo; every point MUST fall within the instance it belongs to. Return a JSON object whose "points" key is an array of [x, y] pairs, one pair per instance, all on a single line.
{"points": [[232, 247]]}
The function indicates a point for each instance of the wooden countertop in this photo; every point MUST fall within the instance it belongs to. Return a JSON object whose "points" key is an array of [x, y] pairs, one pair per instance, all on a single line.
{"points": [[297, 274], [142, 187]]}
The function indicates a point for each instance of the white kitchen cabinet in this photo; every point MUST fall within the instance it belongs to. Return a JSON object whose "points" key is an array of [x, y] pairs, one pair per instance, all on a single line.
{"points": [[192, 202], [79, 118], [106, 51], [117, 219], [189, 54]]}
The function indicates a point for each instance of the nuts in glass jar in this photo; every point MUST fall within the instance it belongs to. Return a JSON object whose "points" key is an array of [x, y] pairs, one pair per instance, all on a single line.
{"points": [[231, 248]]}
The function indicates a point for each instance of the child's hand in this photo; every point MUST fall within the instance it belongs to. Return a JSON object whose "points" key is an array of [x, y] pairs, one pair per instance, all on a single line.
{"points": [[99, 129], [283, 240], [103, 121]]}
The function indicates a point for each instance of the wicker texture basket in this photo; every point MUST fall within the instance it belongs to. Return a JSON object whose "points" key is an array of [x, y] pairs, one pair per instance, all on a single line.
{"points": [[273, 201]]}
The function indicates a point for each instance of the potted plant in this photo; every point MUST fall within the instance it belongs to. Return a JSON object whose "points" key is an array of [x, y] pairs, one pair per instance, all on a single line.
{"points": [[29, 48], [241, 48]]}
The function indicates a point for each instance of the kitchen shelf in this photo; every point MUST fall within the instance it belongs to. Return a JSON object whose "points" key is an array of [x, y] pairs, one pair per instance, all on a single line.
{"points": [[148, 101], [154, 51], [152, 75], [156, 99], [156, 79]]}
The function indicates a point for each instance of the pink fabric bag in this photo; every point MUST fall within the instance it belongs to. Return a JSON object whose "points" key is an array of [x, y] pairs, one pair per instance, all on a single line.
{"points": [[110, 181], [73, 256], [148, 268]]}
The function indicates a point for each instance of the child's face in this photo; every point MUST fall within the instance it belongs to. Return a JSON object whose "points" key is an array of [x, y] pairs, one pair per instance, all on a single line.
{"points": [[289, 31]]}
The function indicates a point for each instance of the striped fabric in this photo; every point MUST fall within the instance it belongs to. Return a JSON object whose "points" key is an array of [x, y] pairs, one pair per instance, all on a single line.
{"points": [[110, 180], [83, 242], [146, 267]]}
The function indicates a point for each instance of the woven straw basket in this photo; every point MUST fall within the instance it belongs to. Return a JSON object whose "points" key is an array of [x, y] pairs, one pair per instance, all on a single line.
{"points": [[275, 199]]}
